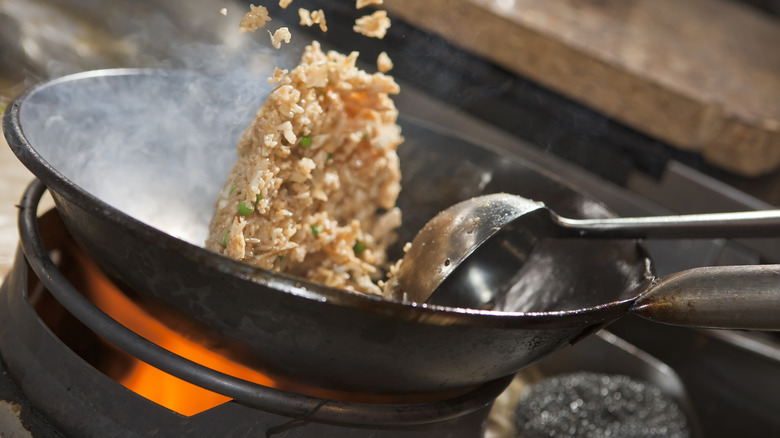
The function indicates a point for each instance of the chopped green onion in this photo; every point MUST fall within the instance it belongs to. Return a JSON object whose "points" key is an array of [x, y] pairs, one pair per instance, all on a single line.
{"points": [[224, 240], [258, 198], [359, 247], [306, 141], [330, 157], [245, 210], [316, 230], [232, 189]]}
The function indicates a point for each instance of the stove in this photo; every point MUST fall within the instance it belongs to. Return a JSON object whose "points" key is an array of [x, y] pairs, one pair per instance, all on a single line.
{"points": [[61, 378]]}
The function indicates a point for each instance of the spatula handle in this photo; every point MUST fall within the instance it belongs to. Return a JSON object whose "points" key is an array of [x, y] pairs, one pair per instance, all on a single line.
{"points": [[763, 223]]}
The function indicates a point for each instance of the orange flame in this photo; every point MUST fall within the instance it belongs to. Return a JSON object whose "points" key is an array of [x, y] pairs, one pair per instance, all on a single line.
{"points": [[148, 381], [181, 396]]}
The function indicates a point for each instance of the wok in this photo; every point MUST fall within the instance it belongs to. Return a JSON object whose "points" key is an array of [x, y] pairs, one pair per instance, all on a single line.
{"points": [[136, 191]]}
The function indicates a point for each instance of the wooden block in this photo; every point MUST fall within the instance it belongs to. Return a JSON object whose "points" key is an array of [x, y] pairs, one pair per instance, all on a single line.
{"points": [[701, 75]]}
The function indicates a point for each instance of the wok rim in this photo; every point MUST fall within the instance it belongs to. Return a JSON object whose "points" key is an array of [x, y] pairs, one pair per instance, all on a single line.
{"points": [[296, 287]]}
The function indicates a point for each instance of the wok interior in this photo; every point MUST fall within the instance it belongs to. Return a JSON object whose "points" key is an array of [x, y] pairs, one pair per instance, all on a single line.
{"points": [[158, 145]]}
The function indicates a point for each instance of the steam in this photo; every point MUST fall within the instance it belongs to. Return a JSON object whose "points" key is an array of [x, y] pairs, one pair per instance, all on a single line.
{"points": [[52, 38], [159, 145]]}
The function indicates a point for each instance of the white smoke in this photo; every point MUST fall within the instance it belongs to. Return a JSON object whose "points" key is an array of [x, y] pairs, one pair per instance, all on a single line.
{"points": [[158, 146]]}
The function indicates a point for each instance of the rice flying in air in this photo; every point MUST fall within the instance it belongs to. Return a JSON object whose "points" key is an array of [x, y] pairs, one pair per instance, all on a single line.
{"points": [[313, 190]]}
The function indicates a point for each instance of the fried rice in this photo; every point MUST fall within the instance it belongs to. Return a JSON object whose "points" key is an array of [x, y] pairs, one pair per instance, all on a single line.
{"points": [[313, 191]]}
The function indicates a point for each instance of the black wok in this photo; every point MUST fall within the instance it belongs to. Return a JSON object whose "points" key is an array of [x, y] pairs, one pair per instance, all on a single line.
{"points": [[136, 192]]}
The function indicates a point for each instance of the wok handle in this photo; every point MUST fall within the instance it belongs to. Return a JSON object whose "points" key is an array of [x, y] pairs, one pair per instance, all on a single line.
{"points": [[726, 297]]}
